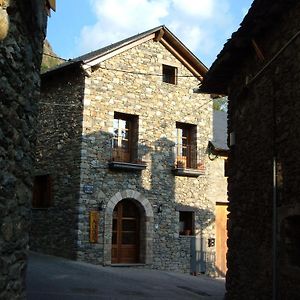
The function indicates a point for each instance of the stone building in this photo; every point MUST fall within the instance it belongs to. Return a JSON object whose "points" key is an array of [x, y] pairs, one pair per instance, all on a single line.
{"points": [[22, 31], [122, 169], [259, 70], [217, 186]]}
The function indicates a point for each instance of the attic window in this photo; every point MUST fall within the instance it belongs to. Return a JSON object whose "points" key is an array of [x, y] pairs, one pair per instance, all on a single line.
{"points": [[169, 74]]}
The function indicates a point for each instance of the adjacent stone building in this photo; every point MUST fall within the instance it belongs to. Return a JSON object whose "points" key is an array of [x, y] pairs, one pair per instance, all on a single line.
{"points": [[259, 70], [122, 165], [217, 186], [22, 31]]}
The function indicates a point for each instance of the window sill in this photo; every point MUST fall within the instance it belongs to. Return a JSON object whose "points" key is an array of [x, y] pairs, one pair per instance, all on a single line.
{"points": [[187, 172], [40, 208], [125, 166], [187, 235]]}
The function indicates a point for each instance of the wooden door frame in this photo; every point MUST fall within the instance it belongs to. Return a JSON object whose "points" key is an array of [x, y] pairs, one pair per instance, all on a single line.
{"points": [[120, 230], [147, 221]]}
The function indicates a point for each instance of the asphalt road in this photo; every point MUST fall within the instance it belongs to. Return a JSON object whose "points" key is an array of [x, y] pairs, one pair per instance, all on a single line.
{"points": [[56, 278]]}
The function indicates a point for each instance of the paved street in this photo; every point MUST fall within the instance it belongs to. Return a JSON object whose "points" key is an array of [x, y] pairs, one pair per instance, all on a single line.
{"points": [[55, 278]]}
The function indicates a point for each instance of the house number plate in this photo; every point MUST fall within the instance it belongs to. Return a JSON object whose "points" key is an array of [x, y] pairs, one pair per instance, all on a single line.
{"points": [[88, 188]]}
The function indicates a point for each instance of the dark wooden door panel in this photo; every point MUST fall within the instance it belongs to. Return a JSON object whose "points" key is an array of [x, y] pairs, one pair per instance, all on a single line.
{"points": [[125, 234]]}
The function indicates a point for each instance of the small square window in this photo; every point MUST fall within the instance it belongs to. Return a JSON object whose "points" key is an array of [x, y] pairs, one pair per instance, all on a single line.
{"points": [[186, 223], [42, 191], [169, 74]]}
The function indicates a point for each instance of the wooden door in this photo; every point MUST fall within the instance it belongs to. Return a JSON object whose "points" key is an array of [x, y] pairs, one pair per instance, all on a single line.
{"points": [[125, 233], [221, 238]]}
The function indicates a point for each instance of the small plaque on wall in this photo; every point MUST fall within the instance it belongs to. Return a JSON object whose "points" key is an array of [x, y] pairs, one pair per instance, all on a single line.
{"points": [[94, 226], [88, 188]]}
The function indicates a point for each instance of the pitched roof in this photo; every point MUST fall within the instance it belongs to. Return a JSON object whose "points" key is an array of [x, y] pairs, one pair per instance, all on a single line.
{"points": [[262, 15], [161, 34]]}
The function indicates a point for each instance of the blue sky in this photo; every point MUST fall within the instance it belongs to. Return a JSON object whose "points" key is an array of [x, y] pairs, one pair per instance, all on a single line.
{"points": [[78, 27]]}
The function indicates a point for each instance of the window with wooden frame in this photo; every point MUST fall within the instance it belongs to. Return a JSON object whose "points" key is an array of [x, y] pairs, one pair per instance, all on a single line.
{"points": [[42, 191], [186, 145], [125, 137], [186, 222], [169, 74]]}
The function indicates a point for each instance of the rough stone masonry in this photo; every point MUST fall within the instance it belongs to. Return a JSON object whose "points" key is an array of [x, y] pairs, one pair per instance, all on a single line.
{"points": [[74, 147], [20, 58]]}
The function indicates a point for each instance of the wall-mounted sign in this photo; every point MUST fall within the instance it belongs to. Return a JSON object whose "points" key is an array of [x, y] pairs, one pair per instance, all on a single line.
{"points": [[94, 225], [88, 188]]}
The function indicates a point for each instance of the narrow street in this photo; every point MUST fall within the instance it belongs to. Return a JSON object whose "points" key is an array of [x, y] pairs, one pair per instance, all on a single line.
{"points": [[55, 278]]}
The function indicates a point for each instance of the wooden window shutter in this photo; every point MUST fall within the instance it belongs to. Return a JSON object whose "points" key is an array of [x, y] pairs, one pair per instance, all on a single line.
{"points": [[42, 191]]}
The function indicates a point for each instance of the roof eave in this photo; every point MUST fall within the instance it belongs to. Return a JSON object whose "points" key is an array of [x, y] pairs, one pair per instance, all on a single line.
{"points": [[64, 66], [260, 16]]}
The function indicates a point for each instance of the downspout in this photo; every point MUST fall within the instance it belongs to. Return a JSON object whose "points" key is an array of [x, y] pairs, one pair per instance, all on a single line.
{"points": [[274, 161], [274, 232], [274, 206]]}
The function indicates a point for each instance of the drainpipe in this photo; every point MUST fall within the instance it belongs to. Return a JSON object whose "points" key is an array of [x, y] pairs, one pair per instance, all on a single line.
{"points": [[274, 206], [274, 232]]}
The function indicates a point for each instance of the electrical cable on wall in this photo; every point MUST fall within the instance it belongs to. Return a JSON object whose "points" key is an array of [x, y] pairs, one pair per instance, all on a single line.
{"points": [[124, 71]]}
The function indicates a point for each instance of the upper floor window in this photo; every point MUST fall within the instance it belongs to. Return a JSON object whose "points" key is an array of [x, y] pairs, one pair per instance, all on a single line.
{"points": [[169, 74], [186, 145], [125, 137], [42, 191]]}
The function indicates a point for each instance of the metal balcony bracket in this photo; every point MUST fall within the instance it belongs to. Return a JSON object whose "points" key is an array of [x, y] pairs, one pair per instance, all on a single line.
{"points": [[126, 166], [188, 172]]}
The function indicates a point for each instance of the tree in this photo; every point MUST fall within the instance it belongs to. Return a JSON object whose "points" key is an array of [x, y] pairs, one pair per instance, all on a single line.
{"points": [[220, 103]]}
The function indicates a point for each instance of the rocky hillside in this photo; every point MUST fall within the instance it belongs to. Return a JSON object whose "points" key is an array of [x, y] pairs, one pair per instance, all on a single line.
{"points": [[50, 59]]}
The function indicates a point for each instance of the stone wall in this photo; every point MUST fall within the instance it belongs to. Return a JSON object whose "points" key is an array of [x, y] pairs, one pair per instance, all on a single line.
{"points": [[159, 106], [265, 119], [20, 58], [58, 154], [217, 182]]}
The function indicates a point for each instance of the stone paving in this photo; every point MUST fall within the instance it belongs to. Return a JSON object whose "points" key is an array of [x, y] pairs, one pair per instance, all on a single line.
{"points": [[49, 277]]}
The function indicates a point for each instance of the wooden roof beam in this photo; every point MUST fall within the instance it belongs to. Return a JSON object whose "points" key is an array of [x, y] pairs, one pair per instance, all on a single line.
{"points": [[52, 4], [159, 35], [182, 59]]}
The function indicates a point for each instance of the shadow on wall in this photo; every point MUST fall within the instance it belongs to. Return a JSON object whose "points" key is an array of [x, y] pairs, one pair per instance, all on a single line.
{"points": [[87, 171], [57, 168]]}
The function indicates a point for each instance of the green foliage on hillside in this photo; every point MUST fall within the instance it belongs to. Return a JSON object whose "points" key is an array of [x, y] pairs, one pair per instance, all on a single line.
{"points": [[50, 59], [220, 104]]}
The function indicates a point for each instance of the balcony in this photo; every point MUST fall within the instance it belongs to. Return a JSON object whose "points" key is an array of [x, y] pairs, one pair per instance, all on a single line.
{"points": [[189, 161], [124, 159]]}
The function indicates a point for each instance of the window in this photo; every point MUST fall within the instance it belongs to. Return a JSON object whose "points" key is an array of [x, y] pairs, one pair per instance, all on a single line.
{"points": [[186, 146], [42, 191], [186, 223], [125, 137], [169, 74], [225, 168]]}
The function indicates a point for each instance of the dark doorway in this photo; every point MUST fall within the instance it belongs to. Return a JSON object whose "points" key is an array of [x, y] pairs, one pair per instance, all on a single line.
{"points": [[125, 232]]}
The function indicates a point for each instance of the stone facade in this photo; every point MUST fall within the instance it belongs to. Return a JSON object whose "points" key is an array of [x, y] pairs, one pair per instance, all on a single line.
{"points": [[76, 151], [20, 59], [263, 117], [217, 191]]}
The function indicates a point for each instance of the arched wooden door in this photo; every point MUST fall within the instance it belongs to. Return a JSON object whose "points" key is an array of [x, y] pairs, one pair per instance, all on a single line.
{"points": [[125, 233]]}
